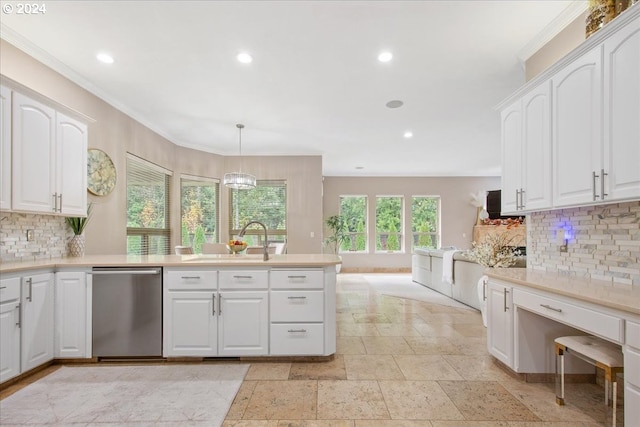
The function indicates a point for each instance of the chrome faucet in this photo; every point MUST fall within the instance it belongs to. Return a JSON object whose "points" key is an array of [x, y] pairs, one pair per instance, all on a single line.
{"points": [[266, 243]]}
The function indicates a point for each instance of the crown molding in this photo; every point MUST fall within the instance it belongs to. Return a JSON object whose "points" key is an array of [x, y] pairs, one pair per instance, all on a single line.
{"points": [[60, 67], [568, 15]]}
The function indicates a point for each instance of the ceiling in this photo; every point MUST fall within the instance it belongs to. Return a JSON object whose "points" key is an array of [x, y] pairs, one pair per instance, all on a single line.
{"points": [[315, 86]]}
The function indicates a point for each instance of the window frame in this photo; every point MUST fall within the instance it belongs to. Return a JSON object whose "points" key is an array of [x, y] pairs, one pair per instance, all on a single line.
{"points": [[399, 234], [215, 183], [354, 234], [436, 234]]}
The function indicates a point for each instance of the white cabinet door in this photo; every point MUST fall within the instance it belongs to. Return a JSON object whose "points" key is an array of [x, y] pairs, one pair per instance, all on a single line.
{"points": [[243, 323], [72, 332], [71, 165], [34, 155], [9, 328], [577, 127], [37, 320], [190, 324], [622, 113], [500, 323], [511, 158], [536, 149], [5, 148]]}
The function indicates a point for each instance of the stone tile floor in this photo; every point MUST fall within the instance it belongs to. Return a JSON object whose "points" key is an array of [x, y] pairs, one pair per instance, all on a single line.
{"points": [[406, 357]]}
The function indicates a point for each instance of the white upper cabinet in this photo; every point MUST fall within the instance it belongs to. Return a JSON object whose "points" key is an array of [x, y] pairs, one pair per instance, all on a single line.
{"points": [[622, 113], [71, 165], [5, 148], [536, 149], [33, 156], [526, 153], [511, 158], [577, 130], [49, 159]]}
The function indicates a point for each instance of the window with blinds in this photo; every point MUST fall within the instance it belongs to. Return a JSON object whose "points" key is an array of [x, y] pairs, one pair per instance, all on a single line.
{"points": [[199, 211], [148, 229], [266, 203]]}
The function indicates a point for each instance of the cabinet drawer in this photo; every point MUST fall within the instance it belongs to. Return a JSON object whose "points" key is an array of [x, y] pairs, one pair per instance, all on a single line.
{"points": [[297, 279], [633, 334], [587, 319], [244, 279], [297, 339], [297, 306], [191, 279], [632, 366], [9, 289]]}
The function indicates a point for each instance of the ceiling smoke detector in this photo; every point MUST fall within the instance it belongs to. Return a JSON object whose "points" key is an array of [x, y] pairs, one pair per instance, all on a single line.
{"points": [[396, 103]]}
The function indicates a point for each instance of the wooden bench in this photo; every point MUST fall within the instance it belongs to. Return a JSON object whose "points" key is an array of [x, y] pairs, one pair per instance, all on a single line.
{"points": [[596, 351]]}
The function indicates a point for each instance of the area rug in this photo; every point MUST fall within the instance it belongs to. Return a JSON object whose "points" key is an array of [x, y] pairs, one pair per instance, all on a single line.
{"points": [[171, 394]]}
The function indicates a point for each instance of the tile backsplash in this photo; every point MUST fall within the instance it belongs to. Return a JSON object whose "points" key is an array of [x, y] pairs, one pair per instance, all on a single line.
{"points": [[603, 242], [50, 237]]}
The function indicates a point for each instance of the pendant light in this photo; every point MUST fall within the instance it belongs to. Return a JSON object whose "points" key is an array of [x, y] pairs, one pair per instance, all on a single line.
{"points": [[239, 180]]}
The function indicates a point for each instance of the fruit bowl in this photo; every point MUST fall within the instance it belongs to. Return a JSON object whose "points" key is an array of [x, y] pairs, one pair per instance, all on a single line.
{"points": [[236, 247]]}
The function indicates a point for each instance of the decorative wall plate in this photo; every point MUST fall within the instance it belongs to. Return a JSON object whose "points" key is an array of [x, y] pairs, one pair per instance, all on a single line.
{"points": [[101, 173]]}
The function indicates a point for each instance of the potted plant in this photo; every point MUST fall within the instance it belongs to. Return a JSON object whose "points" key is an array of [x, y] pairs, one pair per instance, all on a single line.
{"points": [[338, 227], [77, 225]]}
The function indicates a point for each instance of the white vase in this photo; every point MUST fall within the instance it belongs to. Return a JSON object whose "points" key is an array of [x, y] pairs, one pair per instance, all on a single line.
{"points": [[76, 245]]}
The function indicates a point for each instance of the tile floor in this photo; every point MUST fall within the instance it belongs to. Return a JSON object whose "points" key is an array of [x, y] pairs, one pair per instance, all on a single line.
{"points": [[406, 357]]}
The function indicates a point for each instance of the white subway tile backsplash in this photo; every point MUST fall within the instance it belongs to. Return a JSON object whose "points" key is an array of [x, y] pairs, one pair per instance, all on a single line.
{"points": [[604, 242]]}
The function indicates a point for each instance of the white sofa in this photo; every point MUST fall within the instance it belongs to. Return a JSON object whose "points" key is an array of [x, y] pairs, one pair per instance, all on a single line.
{"points": [[427, 271]]}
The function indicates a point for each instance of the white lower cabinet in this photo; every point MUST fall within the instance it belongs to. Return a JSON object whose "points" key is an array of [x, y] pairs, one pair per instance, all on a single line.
{"points": [[632, 374], [72, 315], [190, 323], [243, 323], [500, 340], [9, 328], [37, 320], [298, 339]]}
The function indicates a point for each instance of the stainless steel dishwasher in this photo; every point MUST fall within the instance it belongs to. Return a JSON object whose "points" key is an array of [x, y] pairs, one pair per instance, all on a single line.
{"points": [[127, 312]]}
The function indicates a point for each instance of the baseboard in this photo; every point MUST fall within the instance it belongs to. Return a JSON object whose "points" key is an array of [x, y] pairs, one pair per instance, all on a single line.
{"points": [[388, 270]]}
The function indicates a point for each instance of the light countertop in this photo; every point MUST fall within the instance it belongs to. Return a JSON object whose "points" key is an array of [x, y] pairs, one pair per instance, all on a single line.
{"points": [[195, 261], [604, 293]]}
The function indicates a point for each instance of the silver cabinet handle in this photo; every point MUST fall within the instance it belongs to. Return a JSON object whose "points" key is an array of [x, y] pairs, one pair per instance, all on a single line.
{"points": [[522, 198], [506, 292], [484, 290], [3, 287], [219, 305], [559, 310], [297, 297], [594, 176], [213, 305], [190, 277], [602, 175], [296, 277], [243, 277], [30, 283], [291, 331], [18, 322], [55, 202], [60, 199]]}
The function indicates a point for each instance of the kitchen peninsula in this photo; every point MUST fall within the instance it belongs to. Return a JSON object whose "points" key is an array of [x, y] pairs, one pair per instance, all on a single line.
{"points": [[211, 305]]}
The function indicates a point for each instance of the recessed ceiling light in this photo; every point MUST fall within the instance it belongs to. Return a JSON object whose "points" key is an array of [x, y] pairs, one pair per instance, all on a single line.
{"points": [[105, 58], [408, 134], [359, 167], [244, 57], [385, 56], [396, 103]]}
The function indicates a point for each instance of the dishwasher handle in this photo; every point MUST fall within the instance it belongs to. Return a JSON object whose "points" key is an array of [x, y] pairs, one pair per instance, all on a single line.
{"points": [[137, 271]]}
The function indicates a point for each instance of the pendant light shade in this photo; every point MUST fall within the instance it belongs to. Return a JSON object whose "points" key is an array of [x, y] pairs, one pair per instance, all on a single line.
{"points": [[239, 180]]}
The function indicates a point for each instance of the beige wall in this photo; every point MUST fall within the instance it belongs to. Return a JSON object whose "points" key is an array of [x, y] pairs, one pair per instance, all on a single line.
{"points": [[566, 40], [116, 134], [458, 216]]}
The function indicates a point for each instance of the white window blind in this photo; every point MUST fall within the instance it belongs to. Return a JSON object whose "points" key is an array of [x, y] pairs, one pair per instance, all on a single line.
{"points": [[266, 203], [148, 198]]}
